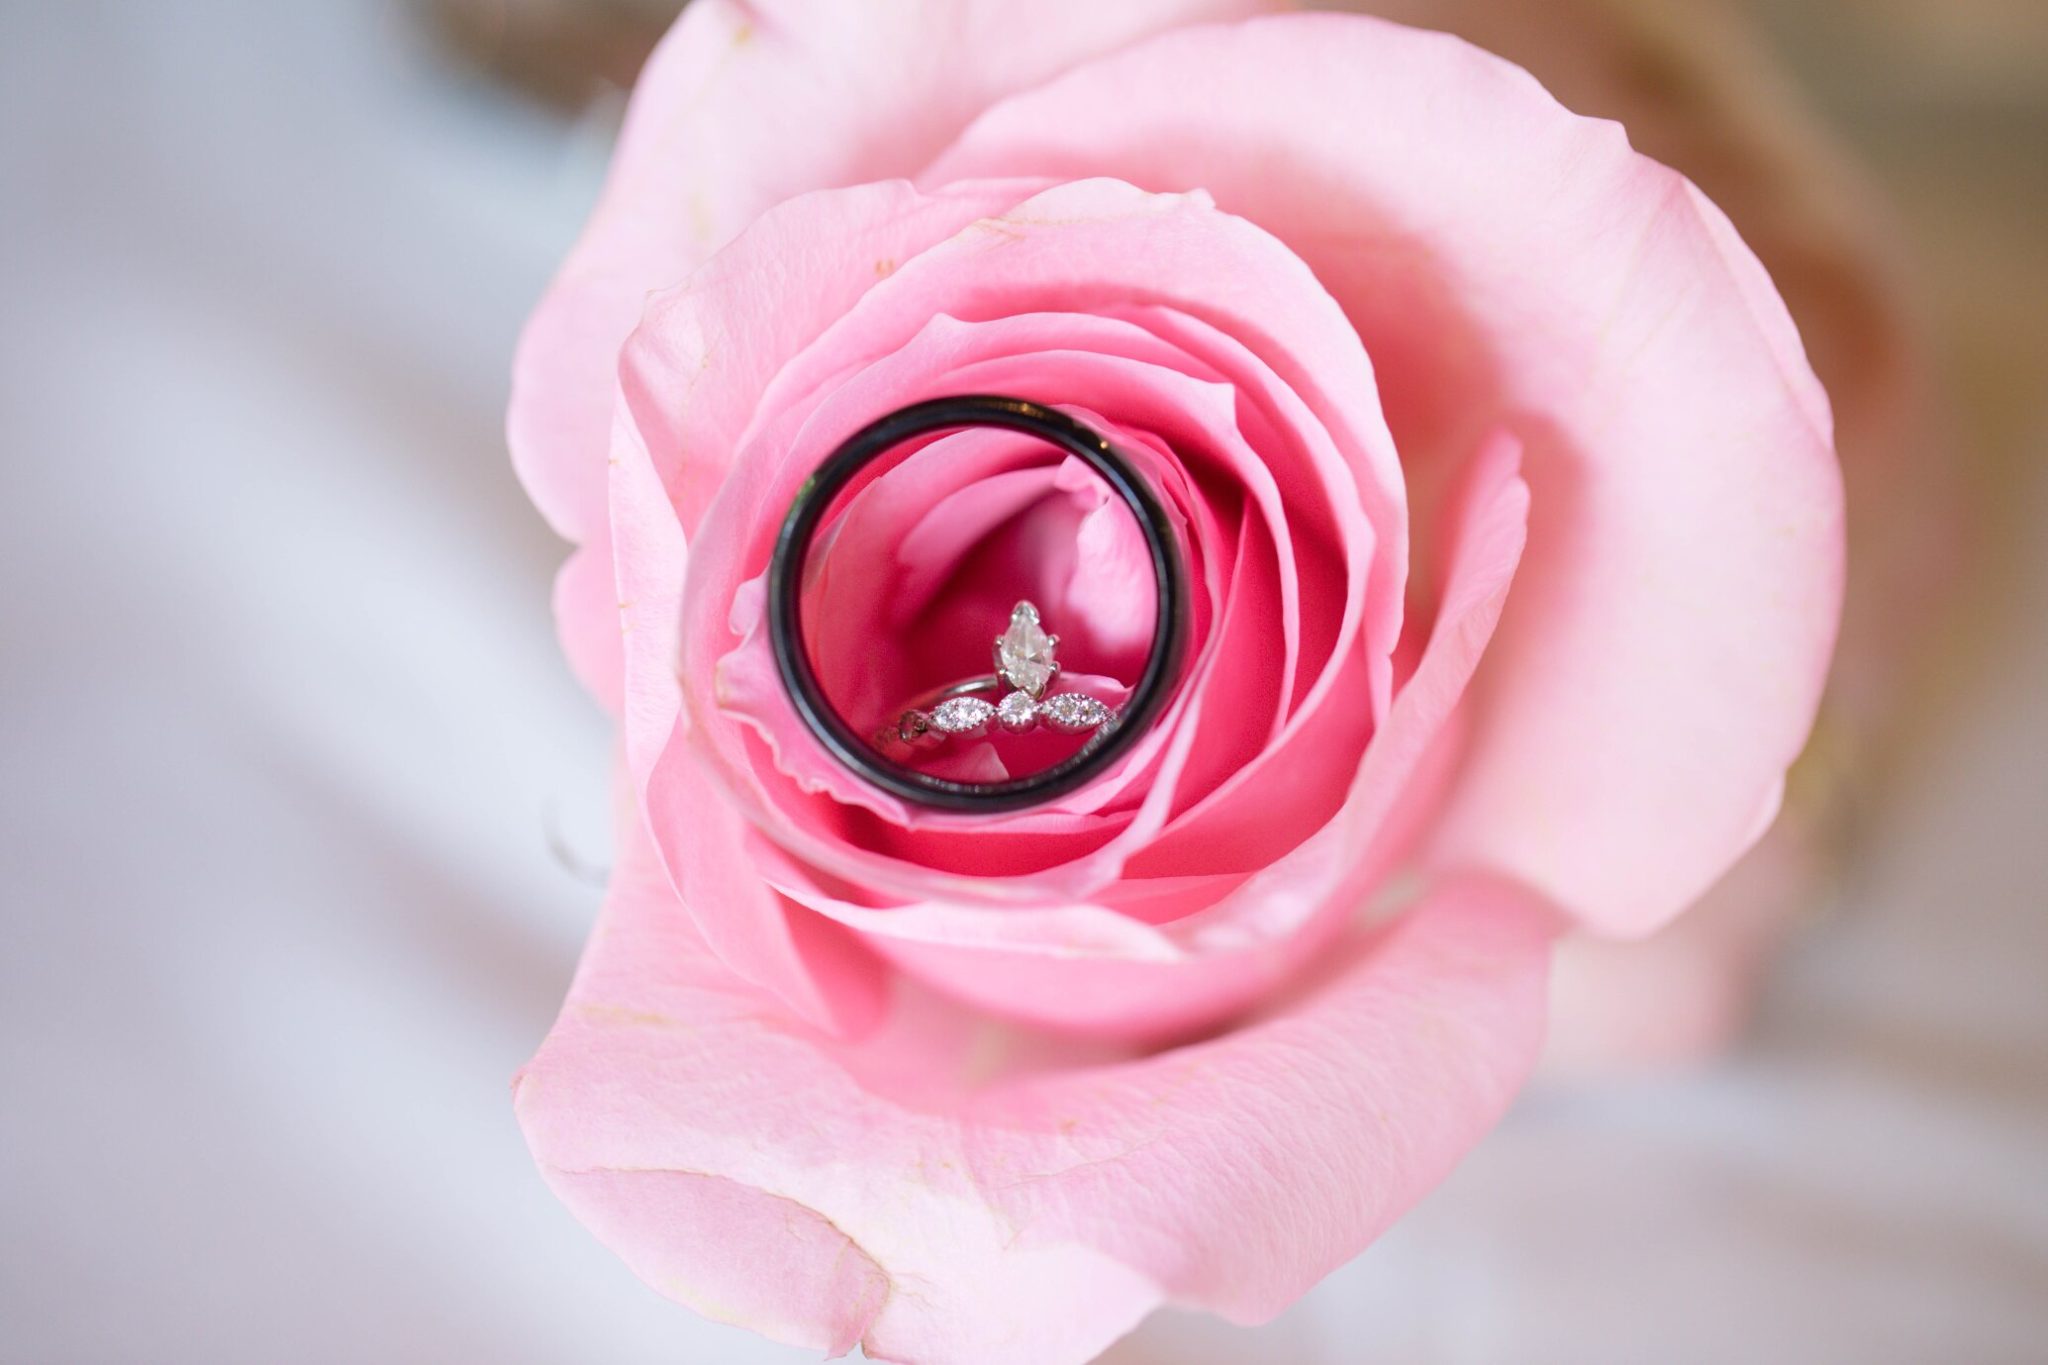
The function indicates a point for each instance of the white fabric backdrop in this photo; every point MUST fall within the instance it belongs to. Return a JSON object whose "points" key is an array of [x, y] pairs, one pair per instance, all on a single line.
{"points": [[293, 787]]}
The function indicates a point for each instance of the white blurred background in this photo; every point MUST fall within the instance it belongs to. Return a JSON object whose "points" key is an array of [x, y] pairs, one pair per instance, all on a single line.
{"points": [[302, 818]]}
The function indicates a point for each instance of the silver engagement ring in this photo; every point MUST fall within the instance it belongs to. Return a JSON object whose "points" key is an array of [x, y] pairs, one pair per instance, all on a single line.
{"points": [[1024, 664]]}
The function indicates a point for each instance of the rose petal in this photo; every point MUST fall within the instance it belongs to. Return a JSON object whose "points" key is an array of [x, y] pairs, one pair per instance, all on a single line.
{"points": [[586, 606], [816, 968], [733, 1253], [693, 383], [740, 107], [1507, 262], [817, 977], [744, 105], [1238, 1172], [704, 1136]]}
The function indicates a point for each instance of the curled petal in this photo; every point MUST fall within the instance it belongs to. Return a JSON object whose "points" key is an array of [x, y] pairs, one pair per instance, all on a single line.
{"points": [[687, 394], [744, 105], [1508, 263], [586, 606], [824, 1192], [741, 106]]}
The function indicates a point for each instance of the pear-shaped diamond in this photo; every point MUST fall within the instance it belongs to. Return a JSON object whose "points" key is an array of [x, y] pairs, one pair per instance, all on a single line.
{"points": [[1024, 652]]}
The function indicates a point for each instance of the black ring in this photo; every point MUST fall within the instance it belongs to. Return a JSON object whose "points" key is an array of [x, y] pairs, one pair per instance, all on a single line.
{"points": [[792, 552]]}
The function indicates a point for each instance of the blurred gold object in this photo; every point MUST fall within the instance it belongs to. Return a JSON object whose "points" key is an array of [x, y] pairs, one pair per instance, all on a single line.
{"points": [[563, 51]]}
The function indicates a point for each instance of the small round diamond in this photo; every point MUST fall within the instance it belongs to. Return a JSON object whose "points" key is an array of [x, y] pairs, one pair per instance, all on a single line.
{"points": [[1017, 712], [962, 716]]}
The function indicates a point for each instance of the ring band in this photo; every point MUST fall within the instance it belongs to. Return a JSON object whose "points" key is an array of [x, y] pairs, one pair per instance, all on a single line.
{"points": [[1025, 666], [1107, 742]]}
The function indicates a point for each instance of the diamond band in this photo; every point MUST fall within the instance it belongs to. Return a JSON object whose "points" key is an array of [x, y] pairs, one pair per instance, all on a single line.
{"points": [[1025, 666]]}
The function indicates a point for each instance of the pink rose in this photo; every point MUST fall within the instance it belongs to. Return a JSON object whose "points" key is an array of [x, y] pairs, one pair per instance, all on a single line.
{"points": [[1516, 534]]}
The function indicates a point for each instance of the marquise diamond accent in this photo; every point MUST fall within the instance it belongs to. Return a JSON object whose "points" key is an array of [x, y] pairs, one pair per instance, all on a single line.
{"points": [[1024, 652], [962, 716], [1074, 712]]}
